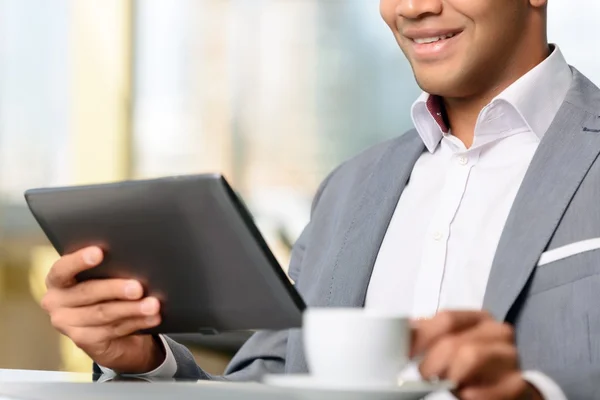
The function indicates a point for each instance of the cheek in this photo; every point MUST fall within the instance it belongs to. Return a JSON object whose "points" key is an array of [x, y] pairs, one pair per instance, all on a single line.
{"points": [[387, 9], [486, 15], [475, 9], [485, 21]]}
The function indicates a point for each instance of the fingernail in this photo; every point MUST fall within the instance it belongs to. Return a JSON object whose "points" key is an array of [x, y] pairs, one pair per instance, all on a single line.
{"points": [[92, 256], [149, 306], [151, 321], [133, 290], [417, 359], [417, 322]]}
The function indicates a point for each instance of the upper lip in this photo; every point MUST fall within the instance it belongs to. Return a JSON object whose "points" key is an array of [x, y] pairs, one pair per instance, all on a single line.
{"points": [[428, 33]]}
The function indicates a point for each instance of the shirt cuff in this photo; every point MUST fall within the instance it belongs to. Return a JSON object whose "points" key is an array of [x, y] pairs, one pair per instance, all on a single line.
{"points": [[166, 370], [546, 386]]}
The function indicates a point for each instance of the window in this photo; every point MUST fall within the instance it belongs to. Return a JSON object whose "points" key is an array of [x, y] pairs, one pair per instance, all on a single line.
{"points": [[274, 94]]}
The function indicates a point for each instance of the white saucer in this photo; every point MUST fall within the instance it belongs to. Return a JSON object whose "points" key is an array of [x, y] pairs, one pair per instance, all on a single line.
{"points": [[406, 390]]}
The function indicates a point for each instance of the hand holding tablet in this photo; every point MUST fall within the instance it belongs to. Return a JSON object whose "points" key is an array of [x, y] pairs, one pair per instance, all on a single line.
{"points": [[102, 316], [188, 241]]}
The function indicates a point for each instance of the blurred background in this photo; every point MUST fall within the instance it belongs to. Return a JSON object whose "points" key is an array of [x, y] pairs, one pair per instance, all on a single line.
{"points": [[271, 93]]}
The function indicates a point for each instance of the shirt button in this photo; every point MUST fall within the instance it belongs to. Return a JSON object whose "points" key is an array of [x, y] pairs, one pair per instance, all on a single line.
{"points": [[438, 236], [462, 160]]}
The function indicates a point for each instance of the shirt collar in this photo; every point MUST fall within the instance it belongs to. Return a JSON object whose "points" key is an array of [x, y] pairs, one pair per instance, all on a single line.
{"points": [[535, 97]]}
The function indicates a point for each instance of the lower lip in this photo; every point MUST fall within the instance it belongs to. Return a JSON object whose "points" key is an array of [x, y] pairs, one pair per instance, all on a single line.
{"points": [[434, 51]]}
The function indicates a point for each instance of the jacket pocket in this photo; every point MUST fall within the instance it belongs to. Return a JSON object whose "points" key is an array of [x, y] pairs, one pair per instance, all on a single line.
{"points": [[568, 250]]}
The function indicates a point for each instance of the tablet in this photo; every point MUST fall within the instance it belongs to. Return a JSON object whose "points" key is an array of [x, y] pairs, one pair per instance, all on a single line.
{"points": [[189, 240]]}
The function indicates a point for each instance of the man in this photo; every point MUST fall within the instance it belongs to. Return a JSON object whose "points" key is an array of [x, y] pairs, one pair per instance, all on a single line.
{"points": [[482, 224]]}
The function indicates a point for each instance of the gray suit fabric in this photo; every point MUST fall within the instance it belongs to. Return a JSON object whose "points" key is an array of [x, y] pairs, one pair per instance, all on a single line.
{"points": [[555, 308]]}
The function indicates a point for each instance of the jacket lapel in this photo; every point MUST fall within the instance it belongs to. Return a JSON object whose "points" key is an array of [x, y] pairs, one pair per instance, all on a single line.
{"points": [[370, 218], [561, 162]]}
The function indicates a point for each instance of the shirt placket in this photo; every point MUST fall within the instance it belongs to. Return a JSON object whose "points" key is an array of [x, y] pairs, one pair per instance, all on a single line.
{"points": [[434, 261]]}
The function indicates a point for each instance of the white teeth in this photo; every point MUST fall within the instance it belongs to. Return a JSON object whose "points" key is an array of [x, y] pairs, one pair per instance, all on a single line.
{"points": [[433, 39]]}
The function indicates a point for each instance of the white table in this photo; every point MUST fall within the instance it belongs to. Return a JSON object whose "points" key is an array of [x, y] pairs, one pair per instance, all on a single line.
{"points": [[50, 385]]}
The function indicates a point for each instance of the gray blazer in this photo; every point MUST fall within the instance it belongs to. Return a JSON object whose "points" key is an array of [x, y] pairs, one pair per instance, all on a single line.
{"points": [[555, 308]]}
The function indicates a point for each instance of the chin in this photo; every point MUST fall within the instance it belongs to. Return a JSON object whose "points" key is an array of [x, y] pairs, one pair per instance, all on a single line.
{"points": [[439, 83], [433, 85]]}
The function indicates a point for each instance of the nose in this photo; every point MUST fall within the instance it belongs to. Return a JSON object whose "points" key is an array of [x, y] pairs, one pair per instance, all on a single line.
{"points": [[415, 9]]}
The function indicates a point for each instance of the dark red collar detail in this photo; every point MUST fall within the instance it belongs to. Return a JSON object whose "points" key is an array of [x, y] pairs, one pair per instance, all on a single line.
{"points": [[435, 106]]}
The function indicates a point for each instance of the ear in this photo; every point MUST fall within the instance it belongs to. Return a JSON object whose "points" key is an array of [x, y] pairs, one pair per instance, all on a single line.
{"points": [[538, 3]]}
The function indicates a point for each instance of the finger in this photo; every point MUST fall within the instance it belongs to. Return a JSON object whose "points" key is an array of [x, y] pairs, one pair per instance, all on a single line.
{"points": [[443, 353], [86, 336], [429, 331], [93, 292], [102, 314], [512, 387], [482, 363], [435, 363], [489, 331], [63, 272]]}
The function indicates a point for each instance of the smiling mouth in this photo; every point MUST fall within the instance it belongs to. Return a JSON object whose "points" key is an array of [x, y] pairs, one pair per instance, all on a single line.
{"points": [[433, 46], [434, 39]]}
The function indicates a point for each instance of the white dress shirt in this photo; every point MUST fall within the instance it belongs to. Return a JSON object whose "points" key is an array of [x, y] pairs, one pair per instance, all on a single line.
{"points": [[439, 247], [438, 250]]}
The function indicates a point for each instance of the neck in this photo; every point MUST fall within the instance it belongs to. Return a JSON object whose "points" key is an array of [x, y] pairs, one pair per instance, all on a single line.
{"points": [[462, 113]]}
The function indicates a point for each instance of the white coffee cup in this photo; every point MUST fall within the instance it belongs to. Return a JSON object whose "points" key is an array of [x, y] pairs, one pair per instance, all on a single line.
{"points": [[355, 346]]}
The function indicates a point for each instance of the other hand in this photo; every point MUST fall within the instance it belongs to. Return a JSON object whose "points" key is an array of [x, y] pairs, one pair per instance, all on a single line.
{"points": [[473, 351]]}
